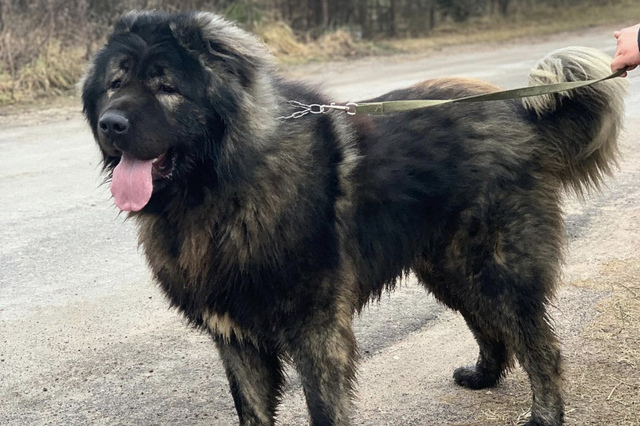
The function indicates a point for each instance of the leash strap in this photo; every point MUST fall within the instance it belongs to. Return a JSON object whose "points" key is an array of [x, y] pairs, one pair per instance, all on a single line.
{"points": [[380, 108]]}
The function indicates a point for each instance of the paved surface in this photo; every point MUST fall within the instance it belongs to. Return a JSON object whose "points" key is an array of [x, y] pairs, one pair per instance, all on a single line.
{"points": [[86, 338]]}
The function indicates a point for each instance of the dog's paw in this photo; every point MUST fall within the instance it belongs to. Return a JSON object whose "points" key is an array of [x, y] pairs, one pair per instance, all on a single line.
{"points": [[534, 422], [473, 378]]}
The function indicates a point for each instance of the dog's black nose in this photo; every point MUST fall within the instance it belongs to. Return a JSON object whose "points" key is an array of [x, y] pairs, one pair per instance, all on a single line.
{"points": [[113, 123]]}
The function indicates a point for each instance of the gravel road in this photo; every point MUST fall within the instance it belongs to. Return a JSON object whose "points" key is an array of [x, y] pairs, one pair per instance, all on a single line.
{"points": [[87, 339]]}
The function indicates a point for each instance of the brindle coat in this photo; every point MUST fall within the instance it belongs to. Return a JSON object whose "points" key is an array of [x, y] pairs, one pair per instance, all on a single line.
{"points": [[272, 234]]}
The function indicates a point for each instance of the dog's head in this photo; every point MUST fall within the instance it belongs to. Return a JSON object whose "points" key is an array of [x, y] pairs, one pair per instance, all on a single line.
{"points": [[161, 95]]}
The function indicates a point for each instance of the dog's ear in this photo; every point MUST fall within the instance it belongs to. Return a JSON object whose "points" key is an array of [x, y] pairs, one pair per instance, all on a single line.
{"points": [[131, 19], [221, 43], [125, 22]]}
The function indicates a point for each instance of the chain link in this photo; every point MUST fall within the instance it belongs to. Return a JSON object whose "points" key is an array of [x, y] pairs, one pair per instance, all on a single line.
{"points": [[304, 109]]}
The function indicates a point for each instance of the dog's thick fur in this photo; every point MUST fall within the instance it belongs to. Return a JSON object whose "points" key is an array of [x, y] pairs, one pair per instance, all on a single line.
{"points": [[272, 234]]}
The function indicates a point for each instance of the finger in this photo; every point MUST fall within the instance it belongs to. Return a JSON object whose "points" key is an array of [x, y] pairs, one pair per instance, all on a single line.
{"points": [[617, 63]]}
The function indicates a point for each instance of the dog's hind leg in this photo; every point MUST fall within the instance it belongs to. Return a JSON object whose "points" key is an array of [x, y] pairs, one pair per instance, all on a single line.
{"points": [[511, 297], [516, 308], [493, 361], [501, 284], [494, 358], [256, 380], [538, 351]]}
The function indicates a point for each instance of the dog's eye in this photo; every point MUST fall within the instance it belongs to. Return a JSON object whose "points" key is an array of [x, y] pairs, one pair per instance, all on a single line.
{"points": [[166, 89], [115, 85]]}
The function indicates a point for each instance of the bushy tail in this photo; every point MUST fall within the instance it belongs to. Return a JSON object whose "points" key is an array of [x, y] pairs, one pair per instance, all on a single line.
{"points": [[579, 128]]}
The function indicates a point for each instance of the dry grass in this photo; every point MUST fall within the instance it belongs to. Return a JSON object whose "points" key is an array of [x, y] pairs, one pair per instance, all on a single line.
{"points": [[539, 22], [602, 360], [339, 44], [542, 21], [608, 385], [282, 41], [55, 70], [52, 73]]}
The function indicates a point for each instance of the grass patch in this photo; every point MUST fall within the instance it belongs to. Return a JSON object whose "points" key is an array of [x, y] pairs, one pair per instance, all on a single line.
{"points": [[56, 69], [601, 360], [54, 72], [539, 22], [608, 386], [339, 44]]}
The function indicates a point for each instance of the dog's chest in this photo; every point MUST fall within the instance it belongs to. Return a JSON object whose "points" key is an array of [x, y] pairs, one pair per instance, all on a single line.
{"points": [[194, 267], [208, 248], [182, 251]]}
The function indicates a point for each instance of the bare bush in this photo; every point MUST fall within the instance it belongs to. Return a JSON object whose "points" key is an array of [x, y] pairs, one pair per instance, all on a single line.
{"points": [[43, 43]]}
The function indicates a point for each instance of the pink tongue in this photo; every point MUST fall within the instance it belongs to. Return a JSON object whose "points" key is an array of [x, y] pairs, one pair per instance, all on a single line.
{"points": [[132, 184]]}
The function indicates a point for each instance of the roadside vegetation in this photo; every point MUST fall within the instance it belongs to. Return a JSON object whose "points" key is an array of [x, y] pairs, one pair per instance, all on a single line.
{"points": [[44, 44]]}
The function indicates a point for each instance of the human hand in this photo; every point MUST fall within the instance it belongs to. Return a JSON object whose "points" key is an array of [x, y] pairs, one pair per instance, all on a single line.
{"points": [[627, 50]]}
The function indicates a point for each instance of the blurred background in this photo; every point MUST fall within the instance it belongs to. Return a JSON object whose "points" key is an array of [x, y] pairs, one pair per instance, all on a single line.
{"points": [[44, 43], [86, 338]]}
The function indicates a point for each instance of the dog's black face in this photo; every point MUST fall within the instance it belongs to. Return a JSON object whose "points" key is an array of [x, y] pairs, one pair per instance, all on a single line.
{"points": [[144, 99]]}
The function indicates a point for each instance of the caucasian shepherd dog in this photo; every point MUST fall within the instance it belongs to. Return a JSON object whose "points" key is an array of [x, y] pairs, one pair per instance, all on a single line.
{"points": [[271, 234]]}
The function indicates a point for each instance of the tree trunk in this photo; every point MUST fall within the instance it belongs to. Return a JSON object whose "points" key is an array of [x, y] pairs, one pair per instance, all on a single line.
{"points": [[392, 18], [325, 14], [432, 16], [363, 18], [504, 7]]}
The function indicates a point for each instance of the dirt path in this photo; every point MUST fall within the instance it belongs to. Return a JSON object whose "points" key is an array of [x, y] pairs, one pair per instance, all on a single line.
{"points": [[86, 338]]}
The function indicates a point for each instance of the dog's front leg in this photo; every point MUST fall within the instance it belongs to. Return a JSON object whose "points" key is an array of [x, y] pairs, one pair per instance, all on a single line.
{"points": [[324, 352], [256, 380]]}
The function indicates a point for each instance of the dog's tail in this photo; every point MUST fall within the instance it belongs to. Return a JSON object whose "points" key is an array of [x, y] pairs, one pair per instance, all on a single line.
{"points": [[579, 128]]}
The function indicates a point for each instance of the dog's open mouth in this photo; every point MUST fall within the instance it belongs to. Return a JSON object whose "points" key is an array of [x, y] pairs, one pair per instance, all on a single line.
{"points": [[162, 166], [134, 180]]}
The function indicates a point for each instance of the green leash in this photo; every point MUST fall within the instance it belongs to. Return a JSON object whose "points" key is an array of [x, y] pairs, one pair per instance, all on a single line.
{"points": [[380, 108]]}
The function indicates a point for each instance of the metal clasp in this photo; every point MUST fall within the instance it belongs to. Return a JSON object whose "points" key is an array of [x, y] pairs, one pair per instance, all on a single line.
{"points": [[349, 108], [305, 109]]}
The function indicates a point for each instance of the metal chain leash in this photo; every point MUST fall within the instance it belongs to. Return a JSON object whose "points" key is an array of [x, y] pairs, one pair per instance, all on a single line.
{"points": [[304, 109]]}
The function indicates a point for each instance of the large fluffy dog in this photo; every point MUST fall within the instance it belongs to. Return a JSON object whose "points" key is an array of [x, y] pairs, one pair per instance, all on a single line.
{"points": [[270, 234]]}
